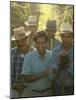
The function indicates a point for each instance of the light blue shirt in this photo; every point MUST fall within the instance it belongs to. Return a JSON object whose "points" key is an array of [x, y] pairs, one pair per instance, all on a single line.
{"points": [[55, 55], [33, 64]]}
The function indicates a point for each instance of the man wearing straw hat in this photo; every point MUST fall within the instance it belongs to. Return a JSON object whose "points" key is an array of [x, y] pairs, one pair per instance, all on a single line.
{"points": [[31, 25], [17, 58], [62, 63]]}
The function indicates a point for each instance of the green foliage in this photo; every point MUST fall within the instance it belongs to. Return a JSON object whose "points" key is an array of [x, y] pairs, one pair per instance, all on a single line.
{"points": [[19, 13], [63, 13], [21, 10], [68, 14]]}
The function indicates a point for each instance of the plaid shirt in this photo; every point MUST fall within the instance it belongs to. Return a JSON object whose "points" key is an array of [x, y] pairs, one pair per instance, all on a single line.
{"points": [[16, 65]]}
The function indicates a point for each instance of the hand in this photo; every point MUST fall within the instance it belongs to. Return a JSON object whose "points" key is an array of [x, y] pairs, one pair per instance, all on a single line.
{"points": [[45, 72], [64, 60], [63, 53], [18, 87], [53, 72]]}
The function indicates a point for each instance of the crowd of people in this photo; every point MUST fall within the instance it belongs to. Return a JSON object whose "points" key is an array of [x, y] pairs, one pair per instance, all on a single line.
{"points": [[41, 65]]}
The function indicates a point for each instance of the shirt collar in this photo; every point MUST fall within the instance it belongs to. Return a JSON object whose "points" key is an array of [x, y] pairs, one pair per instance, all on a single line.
{"points": [[39, 54]]}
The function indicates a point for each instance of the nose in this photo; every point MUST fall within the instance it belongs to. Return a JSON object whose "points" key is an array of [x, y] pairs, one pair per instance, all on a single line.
{"points": [[20, 43], [41, 46]]}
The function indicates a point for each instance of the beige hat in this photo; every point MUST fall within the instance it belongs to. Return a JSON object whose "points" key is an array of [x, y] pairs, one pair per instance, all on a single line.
{"points": [[32, 20], [19, 33], [66, 27]]}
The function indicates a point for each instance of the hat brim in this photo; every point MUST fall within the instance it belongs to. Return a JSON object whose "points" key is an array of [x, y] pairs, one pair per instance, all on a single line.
{"points": [[49, 28], [26, 35], [27, 24]]}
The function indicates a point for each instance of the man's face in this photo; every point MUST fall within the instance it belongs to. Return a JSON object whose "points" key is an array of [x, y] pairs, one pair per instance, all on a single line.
{"points": [[67, 39], [22, 44], [51, 33], [41, 45]]}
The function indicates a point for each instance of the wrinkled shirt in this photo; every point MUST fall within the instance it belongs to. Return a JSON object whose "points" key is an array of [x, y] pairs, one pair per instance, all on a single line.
{"points": [[33, 64], [54, 64]]}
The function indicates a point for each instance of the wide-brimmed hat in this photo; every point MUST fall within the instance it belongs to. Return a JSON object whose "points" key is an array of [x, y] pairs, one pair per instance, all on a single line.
{"points": [[32, 21], [66, 28], [19, 33], [50, 25]]}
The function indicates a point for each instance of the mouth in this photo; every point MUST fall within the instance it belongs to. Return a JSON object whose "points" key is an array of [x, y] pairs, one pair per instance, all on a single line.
{"points": [[41, 50]]}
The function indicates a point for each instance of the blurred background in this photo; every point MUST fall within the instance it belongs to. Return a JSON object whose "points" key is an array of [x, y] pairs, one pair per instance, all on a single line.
{"points": [[19, 12]]}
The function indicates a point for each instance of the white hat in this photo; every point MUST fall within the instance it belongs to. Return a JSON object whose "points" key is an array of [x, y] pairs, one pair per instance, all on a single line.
{"points": [[32, 20], [20, 33], [66, 27]]}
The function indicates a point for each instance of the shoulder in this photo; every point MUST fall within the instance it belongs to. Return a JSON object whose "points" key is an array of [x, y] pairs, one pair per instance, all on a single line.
{"points": [[56, 49], [13, 50], [48, 52], [30, 54], [32, 49]]}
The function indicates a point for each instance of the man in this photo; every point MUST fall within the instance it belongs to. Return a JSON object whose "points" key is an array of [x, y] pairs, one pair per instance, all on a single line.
{"points": [[31, 26], [35, 68], [62, 64], [51, 30], [17, 58]]}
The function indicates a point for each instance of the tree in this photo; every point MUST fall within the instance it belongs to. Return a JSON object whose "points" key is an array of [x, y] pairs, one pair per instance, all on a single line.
{"points": [[63, 13], [19, 13]]}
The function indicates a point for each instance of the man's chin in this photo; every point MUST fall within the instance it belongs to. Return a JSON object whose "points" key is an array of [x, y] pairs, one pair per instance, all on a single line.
{"points": [[42, 53]]}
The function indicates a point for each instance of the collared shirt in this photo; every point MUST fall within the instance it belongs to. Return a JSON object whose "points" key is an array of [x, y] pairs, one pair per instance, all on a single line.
{"points": [[33, 64], [53, 43], [16, 65], [55, 56]]}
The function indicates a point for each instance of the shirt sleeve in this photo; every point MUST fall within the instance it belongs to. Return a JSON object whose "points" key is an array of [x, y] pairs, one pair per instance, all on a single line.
{"points": [[53, 64], [26, 70], [53, 59]]}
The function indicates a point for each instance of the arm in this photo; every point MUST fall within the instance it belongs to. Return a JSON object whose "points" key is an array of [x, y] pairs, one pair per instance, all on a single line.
{"points": [[18, 85], [32, 78], [27, 74]]}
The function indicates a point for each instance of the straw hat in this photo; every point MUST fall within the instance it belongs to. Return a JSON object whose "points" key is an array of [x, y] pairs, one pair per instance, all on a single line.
{"points": [[32, 20], [19, 33], [66, 27]]}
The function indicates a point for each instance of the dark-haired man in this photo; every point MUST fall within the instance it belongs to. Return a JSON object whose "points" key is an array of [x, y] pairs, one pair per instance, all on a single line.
{"points": [[35, 68]]}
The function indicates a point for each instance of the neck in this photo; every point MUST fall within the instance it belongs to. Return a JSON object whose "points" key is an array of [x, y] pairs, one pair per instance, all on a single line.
{"points": [[23, 51], [42, 56], [67, 47]]}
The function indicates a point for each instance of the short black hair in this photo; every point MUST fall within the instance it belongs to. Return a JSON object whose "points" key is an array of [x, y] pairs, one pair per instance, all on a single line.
{"points": [[41, 33]]}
